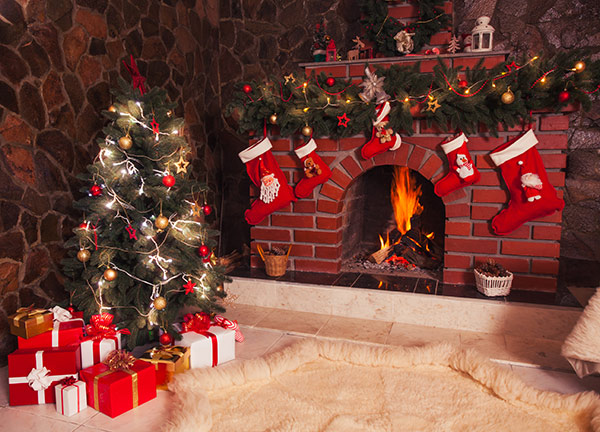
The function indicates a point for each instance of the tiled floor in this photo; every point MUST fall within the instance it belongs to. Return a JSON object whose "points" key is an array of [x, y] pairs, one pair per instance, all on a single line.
{"points": [[538, 362]]}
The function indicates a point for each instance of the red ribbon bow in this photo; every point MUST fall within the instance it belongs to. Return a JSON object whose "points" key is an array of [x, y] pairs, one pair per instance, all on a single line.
{"points": [[138, 79], [101, 327], [198, 322], [230, 324], [68, 381]]}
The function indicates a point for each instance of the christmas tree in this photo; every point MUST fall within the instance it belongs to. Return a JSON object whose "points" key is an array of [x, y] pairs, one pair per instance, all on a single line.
{"points": [[144, 249]]}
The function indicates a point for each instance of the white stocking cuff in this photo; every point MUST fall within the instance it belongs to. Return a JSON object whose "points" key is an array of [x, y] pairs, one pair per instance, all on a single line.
{"points": [[306, 149], [520, 146], [255, 150], [397, 144], [454, 144]]}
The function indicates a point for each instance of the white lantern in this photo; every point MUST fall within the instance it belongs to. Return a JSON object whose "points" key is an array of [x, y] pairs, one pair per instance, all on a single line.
{"points": [[483, 34]]}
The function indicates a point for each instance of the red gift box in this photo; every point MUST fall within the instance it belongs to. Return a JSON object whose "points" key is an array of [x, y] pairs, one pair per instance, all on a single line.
{"points": [[64, 333], [115, 392], [33, 373]]}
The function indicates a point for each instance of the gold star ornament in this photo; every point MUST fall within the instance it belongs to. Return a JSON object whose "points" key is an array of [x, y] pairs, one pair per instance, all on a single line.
{"points": [[181, 165], [196, 209], [433, 105], [289, 78]]}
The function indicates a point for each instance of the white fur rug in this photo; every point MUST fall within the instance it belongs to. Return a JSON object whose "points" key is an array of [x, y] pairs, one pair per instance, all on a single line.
{"points": [[318, 385], [582, 346]]}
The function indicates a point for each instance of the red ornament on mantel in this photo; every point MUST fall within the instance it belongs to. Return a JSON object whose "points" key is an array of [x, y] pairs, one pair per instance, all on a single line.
{"points": [[463, 83], [330, 81], [165, 339], [204, 251], [206, 209], [563, 96], [96, 190], [247, 88], [168, 180]]}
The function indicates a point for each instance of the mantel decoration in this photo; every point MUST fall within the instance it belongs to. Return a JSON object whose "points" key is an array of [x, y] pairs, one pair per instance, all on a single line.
{"points": [[391, 37], [450, 97]]}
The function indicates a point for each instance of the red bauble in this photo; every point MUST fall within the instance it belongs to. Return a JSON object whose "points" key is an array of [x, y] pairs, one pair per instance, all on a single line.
{"points": [[96, 190], [83, 225], [463, 83], [206, 209], [165, 339], [71, 309], [247, 88], [330, 81], [204, 251], [563, 96], [168, 180]]}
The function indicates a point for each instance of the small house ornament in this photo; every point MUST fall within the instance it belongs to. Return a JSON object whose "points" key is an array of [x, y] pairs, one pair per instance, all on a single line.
{"points": [[483, 34], [331, 53]]}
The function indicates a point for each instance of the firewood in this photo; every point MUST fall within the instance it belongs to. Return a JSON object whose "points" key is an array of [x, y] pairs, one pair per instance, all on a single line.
{"points": [[379, 256]]}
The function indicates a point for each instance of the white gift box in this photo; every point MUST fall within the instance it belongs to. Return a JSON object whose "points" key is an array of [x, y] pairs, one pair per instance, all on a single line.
{"points": [[210, 348], [70, 399], [95, 351]]}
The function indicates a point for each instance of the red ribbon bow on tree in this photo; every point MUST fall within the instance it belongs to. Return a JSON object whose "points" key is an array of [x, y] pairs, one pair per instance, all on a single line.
{"points": [[68, 381], [138, 79], [198, 322], [101, 326]]}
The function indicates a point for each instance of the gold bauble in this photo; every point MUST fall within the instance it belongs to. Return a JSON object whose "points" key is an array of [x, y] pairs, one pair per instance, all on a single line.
{"points": [[125, 142], [307, 131], [161, 222], [112, 108], [273, 119], [83, 255], [579, 66], [160, 303], [508, 97], [110, 274]]}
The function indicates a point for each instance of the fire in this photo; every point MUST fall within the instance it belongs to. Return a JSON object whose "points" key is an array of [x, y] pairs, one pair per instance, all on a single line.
{"points": [[405, 198]]}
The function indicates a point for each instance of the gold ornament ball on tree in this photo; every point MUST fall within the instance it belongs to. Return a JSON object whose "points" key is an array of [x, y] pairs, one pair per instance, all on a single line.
{"points": [[508, 97], [307, 130], [110, 274], [161, 222], [160, 303], [83, 255], [579, 66], [273, 119], [125, 142]]}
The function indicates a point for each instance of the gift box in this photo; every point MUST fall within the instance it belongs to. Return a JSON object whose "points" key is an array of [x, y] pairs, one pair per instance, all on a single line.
{"points": [[167, 361], [210, 345], [29, 322], [95, 349], [33, 373], [63, 334], [116, 391], [70, 396]]}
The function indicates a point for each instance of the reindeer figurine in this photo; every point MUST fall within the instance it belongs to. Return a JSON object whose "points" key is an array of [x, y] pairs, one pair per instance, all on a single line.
{"points": [[359, 45]]}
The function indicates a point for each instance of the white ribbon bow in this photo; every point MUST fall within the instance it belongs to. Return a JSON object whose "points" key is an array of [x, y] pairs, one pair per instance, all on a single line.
{"points": [[38, 379], [60, 314]]}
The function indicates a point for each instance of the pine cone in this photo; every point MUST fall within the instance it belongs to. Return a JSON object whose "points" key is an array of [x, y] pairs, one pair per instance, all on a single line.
{"points": [[492, 268], [277, 251]]}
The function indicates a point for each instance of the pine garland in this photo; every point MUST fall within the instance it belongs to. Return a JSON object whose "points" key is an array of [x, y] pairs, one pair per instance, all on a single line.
{"points": [[537, 84], [380, 28]]}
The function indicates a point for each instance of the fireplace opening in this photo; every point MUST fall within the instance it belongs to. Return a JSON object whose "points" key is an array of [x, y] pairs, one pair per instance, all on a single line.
{"points": [[394, 224]]}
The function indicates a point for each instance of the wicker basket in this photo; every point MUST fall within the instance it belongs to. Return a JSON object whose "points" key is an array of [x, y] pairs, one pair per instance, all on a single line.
{"points": [[493, 286], [275, 265]]}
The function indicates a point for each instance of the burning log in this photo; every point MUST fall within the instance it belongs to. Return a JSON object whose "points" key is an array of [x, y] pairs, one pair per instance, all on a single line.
{"points": [[380, 256]]}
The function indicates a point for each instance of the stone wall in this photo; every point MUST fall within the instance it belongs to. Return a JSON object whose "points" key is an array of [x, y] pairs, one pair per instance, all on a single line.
{"points": [[59, 60]]}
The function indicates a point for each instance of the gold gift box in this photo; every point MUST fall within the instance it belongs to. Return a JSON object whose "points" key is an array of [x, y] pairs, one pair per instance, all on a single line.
{"points": [[29, 322], [167, 361]]}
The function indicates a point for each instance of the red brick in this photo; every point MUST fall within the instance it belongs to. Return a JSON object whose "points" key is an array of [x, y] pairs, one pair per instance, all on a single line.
{"points": [[385, 158], [328, 159], [470, 62], [357, 71], [489, 178], [454, 196], [544, 266], [254, 247], [256, 262], [351, 166], [434, 128], [545, 232], [554, 217], [534, 283], [459, 277], [471, 245], [351, 143], [401, 155], [283, 145], [554, 160], [329, 206], [286, 209], [457, 261], [287, 161], [440, 38], [484, 162], [270, 234], [332, 192], [431, 143], [403, 11], [324, 145], [457, 210], [552, 141], [317, 266], [556, 179], [528, 248], [427, 65], [334, 71], [323, 237], [490, 196], [416, 158], [305, 206], [329, 223], [484, 143], [366, 164], [328, 252], [553, 123], [431, 166], [484, 212], [265, 222], [340, 178], [484, 230], [511, 264], [295, 221], [458, 228], [301, 250]]}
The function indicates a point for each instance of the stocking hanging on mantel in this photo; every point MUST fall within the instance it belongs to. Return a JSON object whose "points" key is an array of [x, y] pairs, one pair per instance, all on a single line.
{"points": [[462, 171], [382, 137], [316, 171], [531, 194], [265, 173]]}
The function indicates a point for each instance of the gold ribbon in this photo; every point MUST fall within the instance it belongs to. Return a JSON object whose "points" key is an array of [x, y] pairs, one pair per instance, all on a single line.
{"points": [[29, 312], [156, 355], [118, 361]]}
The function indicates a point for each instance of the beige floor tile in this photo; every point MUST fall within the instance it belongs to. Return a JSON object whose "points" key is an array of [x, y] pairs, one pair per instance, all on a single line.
{"points": [[247, 314], [256, 342], [582, 295], [285, 341], [17, 420], [293, 321], [562, 382], [540, 352], [356, 329], [414, 335], [49, 411], [489, 345]]}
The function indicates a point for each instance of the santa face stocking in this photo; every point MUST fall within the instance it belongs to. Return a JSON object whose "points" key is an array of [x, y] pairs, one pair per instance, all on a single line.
{"points": [[462, 170], [531, 195], [265, 173], [316, 172], [382, 138]]}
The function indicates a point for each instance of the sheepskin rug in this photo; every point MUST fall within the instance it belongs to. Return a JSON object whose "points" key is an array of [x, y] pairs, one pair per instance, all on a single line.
{"points": [[321, 385], [582, 346]]}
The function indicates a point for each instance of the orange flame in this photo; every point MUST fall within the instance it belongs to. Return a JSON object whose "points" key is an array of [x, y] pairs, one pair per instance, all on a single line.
{"points": [[405, 198]]}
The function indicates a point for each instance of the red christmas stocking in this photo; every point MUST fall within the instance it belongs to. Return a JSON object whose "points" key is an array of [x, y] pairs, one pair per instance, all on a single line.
{"points": [[531, 194], [382, 138], [462, 170], [316, 171], [265, 173]]}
